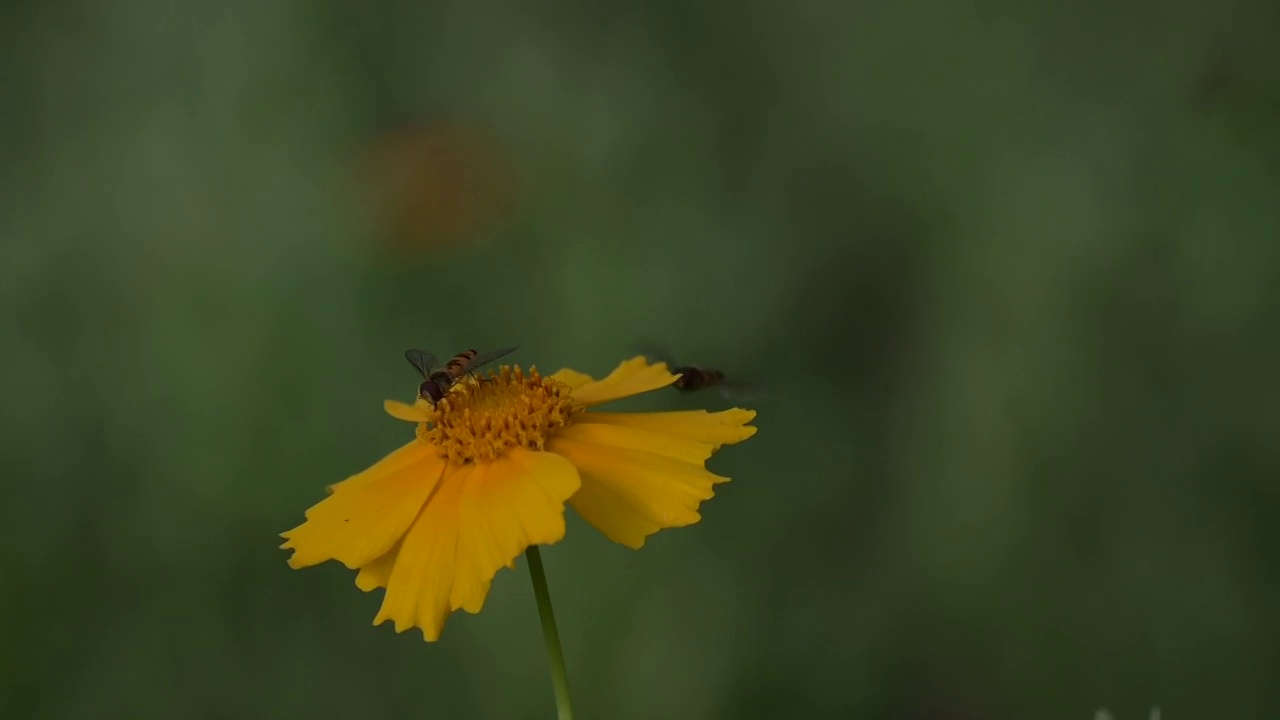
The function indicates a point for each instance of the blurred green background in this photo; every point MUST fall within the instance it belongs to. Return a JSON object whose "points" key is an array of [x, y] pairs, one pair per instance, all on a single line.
{"points": [[1009, 273]]}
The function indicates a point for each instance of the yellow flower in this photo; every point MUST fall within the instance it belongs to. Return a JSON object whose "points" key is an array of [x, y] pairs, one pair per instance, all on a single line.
{"points": [[489, 473]]}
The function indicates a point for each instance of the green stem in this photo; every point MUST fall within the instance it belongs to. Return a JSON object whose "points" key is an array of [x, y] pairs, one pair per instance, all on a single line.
{"points": [[559, 679]]}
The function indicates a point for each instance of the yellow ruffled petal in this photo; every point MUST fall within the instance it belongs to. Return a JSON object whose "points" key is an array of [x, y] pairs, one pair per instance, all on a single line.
{"points": [[718, 428], [361, 521], [679, 448], [631, 377], [418, 412], [419, 584], [572, 378], [512, 503], [481, 518], [406, 455], [629, 494], [375, 574]]}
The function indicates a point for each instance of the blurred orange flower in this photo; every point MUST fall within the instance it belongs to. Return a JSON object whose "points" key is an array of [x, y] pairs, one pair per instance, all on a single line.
{"points": [[435, 185]]}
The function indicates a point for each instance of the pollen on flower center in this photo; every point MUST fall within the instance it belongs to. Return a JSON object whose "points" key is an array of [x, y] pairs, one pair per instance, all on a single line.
{"points": [[483, 417]]}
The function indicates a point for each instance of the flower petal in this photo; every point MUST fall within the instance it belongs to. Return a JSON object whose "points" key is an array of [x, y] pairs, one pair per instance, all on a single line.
{"points": [[361, 521], [631, 377], [719, 428], [419, 584], [418, 412], [482, 517], [629, 494], [512, 503], [407, 454], [621, 436], [572, 378], [375, 574]]}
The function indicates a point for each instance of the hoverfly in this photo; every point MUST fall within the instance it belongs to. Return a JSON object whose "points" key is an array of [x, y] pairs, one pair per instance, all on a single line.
{"points": [[693, 378], [435, 382]]}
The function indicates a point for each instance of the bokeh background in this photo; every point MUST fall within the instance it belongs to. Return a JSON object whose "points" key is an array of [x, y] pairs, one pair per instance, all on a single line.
{"points": [[1008, 272]]}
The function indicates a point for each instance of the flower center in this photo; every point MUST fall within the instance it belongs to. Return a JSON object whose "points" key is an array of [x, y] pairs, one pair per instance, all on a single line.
{"points": [[480, 418]]}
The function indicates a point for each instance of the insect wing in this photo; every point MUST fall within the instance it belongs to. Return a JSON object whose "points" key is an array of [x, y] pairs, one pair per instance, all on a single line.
{"points": [[485, 358], [741, 392], [425, 362]]}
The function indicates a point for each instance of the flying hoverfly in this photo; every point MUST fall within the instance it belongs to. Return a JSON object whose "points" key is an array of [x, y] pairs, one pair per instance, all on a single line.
{"points": [[694, 378], [435, 382]]}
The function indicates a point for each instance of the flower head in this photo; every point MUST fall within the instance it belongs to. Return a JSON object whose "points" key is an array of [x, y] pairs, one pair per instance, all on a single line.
{"points": [[488, 474]]}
